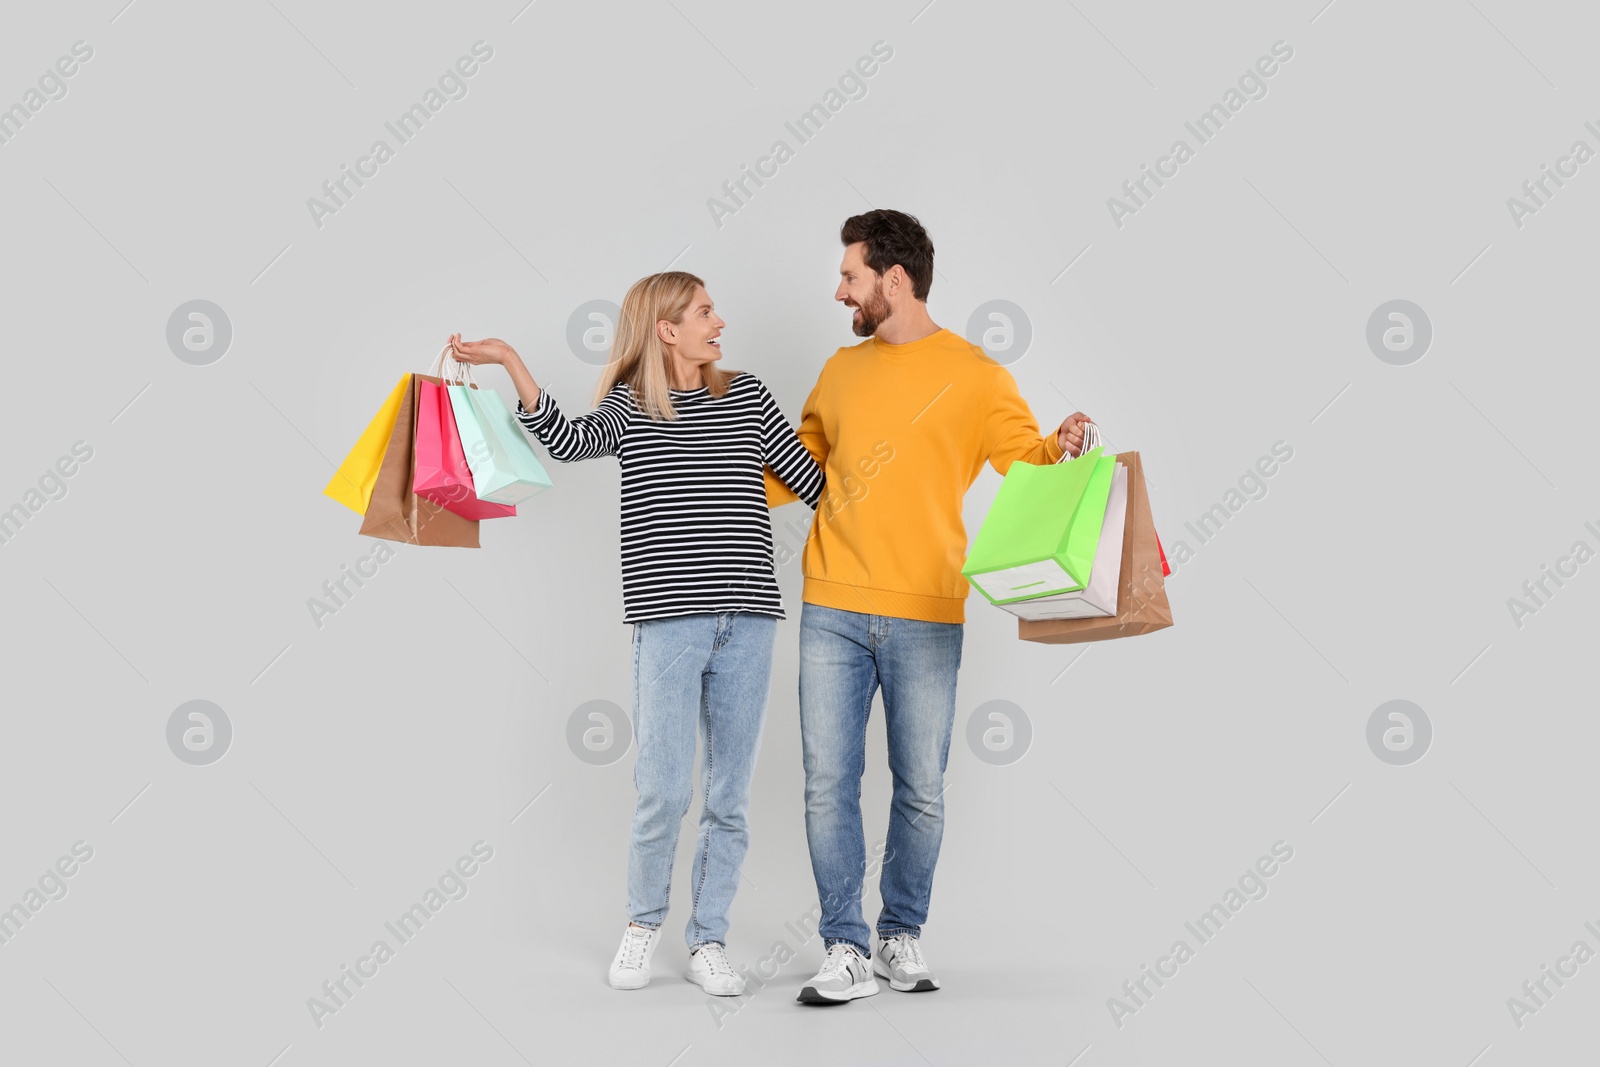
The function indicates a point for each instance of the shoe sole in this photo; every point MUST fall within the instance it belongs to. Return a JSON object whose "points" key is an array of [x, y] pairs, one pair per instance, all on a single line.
{"points": [[921, 985], [812, 995], [690, 976], [635, 985]]}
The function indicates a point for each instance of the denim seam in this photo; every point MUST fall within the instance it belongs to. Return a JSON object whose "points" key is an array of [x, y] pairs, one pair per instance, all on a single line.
{"points": [[638, 642], [677, 832], [666, 903], [705, 847], [866, 713], [636, 709]]}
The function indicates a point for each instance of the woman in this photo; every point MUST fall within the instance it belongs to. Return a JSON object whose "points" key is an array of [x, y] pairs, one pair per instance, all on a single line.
{"points": [[698, 585]]}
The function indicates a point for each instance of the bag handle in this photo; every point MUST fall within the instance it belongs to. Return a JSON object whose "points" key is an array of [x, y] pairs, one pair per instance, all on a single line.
{"points": [[1091, 439], [462, 375]]}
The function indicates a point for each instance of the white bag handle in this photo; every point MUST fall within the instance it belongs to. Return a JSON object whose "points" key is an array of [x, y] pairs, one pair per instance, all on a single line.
{"points": [[462, 375], [1091, 439]]}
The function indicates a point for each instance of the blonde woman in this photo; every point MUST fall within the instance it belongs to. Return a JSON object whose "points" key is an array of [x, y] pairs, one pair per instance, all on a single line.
{"points": [[698, 585]]}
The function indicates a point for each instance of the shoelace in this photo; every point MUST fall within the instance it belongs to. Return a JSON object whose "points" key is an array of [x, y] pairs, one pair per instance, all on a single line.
{"points": [[837, 961], [633, 947], [908, 954], [716, 958]]}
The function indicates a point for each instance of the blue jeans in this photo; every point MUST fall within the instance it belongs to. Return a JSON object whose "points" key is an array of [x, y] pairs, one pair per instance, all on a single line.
{"points": [[844, 657], [709, 673]]}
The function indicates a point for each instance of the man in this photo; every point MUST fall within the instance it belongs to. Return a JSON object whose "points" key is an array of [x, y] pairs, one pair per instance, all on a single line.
{"points": [[902, 424]]}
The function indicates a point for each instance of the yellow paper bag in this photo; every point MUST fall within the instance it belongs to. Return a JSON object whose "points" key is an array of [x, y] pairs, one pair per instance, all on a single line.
{"points": [[352, 483]]}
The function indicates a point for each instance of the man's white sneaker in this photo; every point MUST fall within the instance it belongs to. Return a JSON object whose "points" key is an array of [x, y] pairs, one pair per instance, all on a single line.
{"points": [[710, 970], [900, 960], [631, 967], [845, 975]]}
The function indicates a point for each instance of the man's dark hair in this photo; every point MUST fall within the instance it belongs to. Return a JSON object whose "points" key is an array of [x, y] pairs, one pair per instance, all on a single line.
{"points": [[893, 237]]}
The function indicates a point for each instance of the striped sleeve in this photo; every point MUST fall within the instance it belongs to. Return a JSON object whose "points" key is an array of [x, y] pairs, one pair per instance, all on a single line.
{"points": [[598, 433], [783, 452]]}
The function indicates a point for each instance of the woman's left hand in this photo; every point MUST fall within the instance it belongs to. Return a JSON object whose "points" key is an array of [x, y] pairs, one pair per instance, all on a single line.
{"points": [[488, 350]]}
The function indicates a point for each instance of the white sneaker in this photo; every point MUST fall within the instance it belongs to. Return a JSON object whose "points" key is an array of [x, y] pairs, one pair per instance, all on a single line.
{"points": [[845, 975], [631, 967], [710, 970], [899, 959]]}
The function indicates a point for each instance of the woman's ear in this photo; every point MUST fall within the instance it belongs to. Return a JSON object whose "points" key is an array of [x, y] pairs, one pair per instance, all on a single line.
{"points": [[667, 331]]}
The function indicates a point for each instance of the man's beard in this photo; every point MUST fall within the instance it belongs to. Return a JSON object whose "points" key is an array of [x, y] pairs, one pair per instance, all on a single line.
{"points": [[873, 312]]}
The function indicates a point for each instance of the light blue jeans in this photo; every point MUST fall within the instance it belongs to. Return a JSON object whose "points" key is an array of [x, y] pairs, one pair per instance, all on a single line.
{"points": [[844, 657], [707, 673]]}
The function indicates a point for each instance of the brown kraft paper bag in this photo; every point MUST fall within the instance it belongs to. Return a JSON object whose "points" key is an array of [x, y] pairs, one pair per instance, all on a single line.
{"points": [[395, 513], [1141, 590]]}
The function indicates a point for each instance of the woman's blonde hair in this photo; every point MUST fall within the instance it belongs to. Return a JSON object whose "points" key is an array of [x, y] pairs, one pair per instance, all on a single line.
{"points": [[638, 355]]}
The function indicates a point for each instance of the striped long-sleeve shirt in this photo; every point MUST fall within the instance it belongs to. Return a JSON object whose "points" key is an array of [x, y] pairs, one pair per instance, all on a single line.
{"points": [[696, 531]]}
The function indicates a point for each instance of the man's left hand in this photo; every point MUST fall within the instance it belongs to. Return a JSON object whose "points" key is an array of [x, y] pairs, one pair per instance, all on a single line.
{"points": [[1070, 434]]}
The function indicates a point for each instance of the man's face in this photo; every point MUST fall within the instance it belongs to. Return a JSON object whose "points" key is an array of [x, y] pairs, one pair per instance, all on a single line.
{"points": [[861, 288]]}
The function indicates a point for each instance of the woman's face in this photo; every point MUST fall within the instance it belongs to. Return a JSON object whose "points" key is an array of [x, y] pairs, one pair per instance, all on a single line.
{"points": [[697, 338]]}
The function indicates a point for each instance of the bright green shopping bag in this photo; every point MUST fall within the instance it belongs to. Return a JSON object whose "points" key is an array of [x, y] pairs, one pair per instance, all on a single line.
{"points": [[1040, 535], [504, 467]]}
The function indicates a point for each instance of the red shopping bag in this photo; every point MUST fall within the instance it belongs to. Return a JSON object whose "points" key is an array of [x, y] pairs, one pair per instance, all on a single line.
{"points": [[442, 475]]}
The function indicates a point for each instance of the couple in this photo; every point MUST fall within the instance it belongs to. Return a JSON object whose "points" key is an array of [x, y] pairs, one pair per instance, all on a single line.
{"points": [[896, 430]]}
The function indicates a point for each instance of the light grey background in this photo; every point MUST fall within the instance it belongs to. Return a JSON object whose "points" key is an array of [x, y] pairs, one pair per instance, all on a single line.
{"points": [[1228, 314]]}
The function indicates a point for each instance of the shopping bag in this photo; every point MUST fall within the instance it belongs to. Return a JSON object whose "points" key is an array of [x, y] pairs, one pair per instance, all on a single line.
{"points": [[504, 467], [1040, 535], [1099, 597], [442, 474], [1142, 605], [352, 483], [395, 512]]}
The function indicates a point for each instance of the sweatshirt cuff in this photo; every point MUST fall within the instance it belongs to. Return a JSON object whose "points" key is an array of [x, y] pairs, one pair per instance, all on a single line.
{"points": [[1052, 446]]}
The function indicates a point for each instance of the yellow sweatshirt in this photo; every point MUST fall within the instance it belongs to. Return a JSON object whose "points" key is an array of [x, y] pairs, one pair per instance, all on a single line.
{"points": [[902, 432]]}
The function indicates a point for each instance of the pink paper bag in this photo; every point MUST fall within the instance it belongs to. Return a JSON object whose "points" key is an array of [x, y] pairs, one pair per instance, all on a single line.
{"points": [[442, 474]]}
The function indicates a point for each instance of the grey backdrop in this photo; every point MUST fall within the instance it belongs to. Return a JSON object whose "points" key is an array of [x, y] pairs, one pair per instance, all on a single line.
{"points": [[1134, 782]]}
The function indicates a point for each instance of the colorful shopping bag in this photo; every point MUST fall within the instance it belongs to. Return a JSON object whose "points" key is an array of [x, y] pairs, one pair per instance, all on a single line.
{"points": [[395, 512], [442, 474], [1142, 605], [352, 483], [1041, 532], [1099, 597], [504, 467]]}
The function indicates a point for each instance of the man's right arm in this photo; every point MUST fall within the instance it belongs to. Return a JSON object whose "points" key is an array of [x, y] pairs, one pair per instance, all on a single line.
{"points": [[810, 434]]}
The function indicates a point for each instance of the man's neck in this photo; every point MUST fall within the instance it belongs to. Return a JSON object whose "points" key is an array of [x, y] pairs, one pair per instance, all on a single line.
{"points": [[912, 324]]}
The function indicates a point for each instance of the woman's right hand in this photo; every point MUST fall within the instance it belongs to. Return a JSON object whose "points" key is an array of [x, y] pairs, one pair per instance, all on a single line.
{"points": [[488, 350]]}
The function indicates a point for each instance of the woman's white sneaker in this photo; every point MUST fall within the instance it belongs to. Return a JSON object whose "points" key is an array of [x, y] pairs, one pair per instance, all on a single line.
{"points": [[845, 975], [710, 970], [631, 967], [899, 959]]}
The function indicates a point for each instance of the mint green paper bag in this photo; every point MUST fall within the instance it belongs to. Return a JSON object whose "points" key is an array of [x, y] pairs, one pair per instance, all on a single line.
{"points": [[504, 468], [1040, 535]]}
